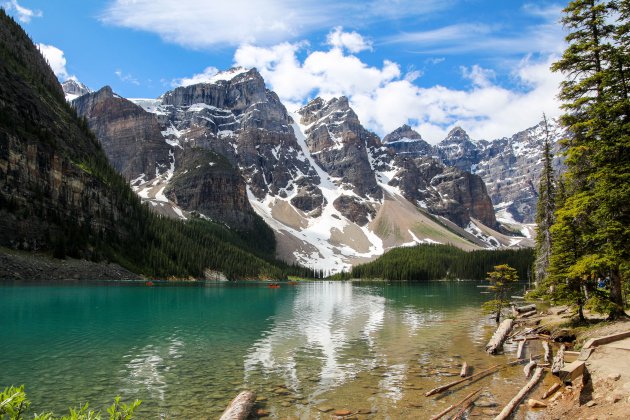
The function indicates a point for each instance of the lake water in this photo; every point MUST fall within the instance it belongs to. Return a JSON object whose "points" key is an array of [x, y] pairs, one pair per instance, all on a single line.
{"points": [[187, 351]]}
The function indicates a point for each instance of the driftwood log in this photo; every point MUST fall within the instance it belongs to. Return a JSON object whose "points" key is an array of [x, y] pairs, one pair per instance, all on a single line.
{"points": [[528, 314], [460, 414], [547, 348], [558, 361], [499, 336], [464, 371], [551, 391], [520, 349], [526, 308], [527, 370], [452, 384], [452, 407], [240, 407], [507, 410]]}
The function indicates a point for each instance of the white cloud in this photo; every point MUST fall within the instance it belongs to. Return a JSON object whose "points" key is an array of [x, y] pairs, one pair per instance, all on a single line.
{"points": [[351, 41], [204, 23], [204, 77], [56, 59], [24, 14], [384, 98]]}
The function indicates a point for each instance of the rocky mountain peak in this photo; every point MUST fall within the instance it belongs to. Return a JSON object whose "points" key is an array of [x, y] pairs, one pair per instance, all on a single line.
{"points": [[73, 88], [406, 141], [402, 132], [457, 135]]}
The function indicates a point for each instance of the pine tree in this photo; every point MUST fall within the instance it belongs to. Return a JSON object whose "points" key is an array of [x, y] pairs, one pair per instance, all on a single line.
{"points": [[591, 236], [545, 210], [501, 279]]}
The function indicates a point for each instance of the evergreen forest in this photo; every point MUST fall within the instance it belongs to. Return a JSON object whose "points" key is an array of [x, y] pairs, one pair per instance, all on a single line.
{"points": [[436, 262]]}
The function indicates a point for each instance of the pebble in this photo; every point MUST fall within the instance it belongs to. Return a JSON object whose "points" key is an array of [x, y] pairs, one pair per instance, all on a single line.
{"points": [[261, 399], [614, 376], [324, 408], [591, 403], [366, 411], [262, 412], [342, 413], [485, 404], [285, 404]]}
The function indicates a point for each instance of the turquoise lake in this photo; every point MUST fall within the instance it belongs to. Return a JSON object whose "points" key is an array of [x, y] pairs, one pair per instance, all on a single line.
{"points": [[187, 351]]}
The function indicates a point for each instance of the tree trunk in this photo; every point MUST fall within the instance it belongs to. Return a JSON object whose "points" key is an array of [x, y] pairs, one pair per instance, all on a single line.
{"points": [[616, 296]]}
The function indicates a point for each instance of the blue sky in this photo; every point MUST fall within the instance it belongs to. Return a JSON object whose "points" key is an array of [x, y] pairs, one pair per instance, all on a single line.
{"points": [[480, 64]]}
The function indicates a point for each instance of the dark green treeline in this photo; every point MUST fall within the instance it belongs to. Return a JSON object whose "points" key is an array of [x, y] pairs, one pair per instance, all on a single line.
{"points": [[433, 262]]}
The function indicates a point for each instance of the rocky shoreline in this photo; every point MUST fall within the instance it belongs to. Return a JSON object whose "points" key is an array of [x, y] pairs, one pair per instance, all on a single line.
{"points": [[603, 391], [27, 267]]}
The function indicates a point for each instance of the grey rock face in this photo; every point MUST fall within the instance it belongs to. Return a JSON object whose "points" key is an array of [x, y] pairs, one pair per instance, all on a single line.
{"points": [[130, 136], [405, 141], [340, 144], [510, 167], [245, 122]]}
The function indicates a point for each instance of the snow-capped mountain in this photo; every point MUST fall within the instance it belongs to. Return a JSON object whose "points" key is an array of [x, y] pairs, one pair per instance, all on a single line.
{"points": [[73, 88], [510, 167], [332, 191]]}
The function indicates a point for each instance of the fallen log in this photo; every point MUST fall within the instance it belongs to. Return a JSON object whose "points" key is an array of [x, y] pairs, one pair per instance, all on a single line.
{"points": [[558, 361], [551, 391], [527, 370], [452, 384], [460, 414], [547, 349], [464, 371], [499, 336], [452, 407], [520, 350], [526, 308], [240, 407], [529, 314], [507, 410]]}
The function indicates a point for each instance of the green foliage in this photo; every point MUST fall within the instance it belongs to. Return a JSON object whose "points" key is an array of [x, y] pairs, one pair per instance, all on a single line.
{"points": [[14, 405], [431, 262], [591, 233], [501, 281]]}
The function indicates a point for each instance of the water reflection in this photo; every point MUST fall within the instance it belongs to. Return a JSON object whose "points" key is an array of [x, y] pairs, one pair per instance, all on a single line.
{"points": [[325, 320]]}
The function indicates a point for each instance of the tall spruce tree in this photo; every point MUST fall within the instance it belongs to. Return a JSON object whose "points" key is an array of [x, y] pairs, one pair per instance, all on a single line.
{"points": [[591, 235], [545, 210]]}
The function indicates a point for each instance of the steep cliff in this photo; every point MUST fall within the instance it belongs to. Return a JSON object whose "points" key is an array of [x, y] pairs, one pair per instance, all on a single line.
{"points": [[130, 136]]}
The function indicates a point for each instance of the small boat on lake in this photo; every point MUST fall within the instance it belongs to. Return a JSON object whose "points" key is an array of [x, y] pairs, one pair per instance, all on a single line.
{"points": [[273, 286]]}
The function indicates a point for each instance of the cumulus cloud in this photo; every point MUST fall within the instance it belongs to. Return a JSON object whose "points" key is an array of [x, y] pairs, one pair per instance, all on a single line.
{"points": [[203, 23], [351, 41], [56, 59], [23, 14], [385, 98]]}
